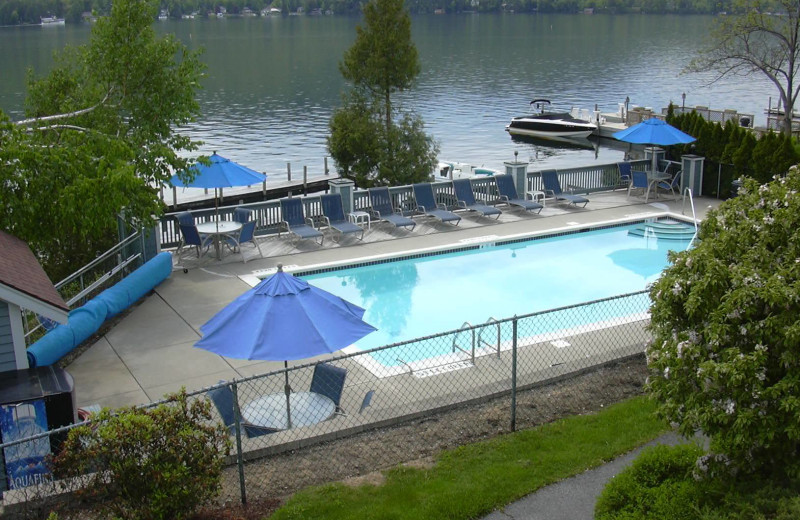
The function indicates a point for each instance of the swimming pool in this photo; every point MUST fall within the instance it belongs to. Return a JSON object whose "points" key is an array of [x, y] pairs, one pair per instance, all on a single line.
{"points": [[413, 297]]}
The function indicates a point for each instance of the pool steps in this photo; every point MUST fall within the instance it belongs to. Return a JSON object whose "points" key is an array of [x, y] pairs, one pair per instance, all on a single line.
{"points": [[664, 230]]}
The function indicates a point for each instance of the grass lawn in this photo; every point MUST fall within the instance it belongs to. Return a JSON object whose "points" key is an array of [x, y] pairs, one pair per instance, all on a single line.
{"points": [[472, 480]]}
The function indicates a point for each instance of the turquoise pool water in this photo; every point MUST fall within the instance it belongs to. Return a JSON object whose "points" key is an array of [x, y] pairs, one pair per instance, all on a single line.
{"points": [[411, 298]]}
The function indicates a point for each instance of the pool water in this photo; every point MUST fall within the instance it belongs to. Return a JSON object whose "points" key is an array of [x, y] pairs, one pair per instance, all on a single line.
{"points": [[415, 297]]}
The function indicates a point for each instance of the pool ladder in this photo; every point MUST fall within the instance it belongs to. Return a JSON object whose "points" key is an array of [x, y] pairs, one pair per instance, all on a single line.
{"points": [[476, 341]]}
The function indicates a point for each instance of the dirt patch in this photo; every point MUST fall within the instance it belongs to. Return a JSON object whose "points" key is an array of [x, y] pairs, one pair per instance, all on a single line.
{"points": [[359, 460]]}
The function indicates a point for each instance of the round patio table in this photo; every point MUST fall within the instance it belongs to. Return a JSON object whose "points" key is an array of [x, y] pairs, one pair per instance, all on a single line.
{"points": [[218, 230], [270, 410]]}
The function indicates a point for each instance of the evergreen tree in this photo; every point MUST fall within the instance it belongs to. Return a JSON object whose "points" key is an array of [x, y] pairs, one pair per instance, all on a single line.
{"points": [[365, 141]]}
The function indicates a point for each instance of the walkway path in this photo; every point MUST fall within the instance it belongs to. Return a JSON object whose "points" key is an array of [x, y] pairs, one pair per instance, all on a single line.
{"points": [[573, 498]]}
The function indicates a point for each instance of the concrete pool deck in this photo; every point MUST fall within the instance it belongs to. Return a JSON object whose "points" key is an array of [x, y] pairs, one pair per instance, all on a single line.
{"points": [[150, 351]]}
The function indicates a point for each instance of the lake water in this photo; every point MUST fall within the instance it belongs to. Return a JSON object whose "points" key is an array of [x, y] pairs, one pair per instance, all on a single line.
{"points": [[273, 83]]}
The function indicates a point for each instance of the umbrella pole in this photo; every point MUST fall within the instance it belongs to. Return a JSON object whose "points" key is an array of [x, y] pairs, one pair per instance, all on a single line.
{"points": [[288, 390]]}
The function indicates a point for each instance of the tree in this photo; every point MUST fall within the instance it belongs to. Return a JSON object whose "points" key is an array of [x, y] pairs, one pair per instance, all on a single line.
{"points": [[724, 358], [365, 141], [100, 136], [763, 39]]}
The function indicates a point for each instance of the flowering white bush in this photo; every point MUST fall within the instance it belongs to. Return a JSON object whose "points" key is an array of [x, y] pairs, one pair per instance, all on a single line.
{"points": [[725, 357]]}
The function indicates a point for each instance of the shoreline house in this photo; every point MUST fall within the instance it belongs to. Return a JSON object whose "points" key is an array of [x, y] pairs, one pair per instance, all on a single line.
{"points": [[23, 285]]}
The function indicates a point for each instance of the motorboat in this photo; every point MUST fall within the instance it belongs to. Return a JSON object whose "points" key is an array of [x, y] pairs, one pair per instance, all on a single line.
{"points": [[550, 125], [457, 170], [51, 20]]}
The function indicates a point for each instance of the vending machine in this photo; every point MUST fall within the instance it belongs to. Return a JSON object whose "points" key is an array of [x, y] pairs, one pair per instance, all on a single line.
{"points": [[33, 401]]}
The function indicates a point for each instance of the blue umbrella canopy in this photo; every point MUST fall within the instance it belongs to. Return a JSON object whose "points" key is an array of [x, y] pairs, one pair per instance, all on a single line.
{"points": [[221, 173], [283, 318], [655, 132]]}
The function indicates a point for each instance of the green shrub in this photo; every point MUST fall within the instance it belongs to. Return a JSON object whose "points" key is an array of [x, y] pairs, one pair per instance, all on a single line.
{"points": [[658, 486], [158, 463], [724, 357]]}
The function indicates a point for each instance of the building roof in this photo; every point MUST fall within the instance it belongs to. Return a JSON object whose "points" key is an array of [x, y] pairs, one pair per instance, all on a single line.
{"points": [[20, 270]]}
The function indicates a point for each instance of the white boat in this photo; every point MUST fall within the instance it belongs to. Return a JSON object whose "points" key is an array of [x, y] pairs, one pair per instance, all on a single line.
{"points": [[550, 125], [457, 170], [51, 20]]}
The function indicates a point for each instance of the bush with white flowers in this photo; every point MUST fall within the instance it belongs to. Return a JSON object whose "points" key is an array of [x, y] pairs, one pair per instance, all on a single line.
{"points": [[725, 356]]}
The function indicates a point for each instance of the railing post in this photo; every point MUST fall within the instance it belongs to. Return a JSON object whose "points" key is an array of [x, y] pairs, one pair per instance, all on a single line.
{"points": [[237, 423], [473, 346], [514, 375]]}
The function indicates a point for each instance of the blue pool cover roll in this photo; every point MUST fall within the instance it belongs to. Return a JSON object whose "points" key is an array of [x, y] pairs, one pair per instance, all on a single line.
{"points": [[86, 320]]}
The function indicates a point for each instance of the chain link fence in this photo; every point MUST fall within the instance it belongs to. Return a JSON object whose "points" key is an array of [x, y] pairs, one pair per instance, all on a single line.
{"points": [[361, 412]]}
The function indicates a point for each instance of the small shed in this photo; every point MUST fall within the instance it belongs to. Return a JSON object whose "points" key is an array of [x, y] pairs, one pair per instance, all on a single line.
{"points": [[23, 285]]}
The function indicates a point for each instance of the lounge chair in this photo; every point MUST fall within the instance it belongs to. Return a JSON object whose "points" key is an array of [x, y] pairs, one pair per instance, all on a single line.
{"points": [[295, 222], [426, 203], [382, 208], [333, 213], [508, 194], [328, 380], [466, 199], [222, 398], [552, 188]]}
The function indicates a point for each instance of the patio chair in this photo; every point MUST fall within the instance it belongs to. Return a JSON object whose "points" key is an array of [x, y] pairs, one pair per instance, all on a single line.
{"points": [[333, 214], [328, 380], [673, 185], [426, 203], [381, 208], [508, 194], [242, 215], [552, 187], [222, 398], [466, 199], [640, 181], [191, 237], [295, 222], [625, 176], [247, 234]]}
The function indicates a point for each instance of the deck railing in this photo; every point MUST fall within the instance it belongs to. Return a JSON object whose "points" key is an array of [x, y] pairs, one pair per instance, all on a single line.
{"points": [[586, 179]]}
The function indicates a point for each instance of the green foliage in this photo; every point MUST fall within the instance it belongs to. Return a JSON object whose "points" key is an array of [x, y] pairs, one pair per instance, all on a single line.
{"points": [[366, 141], [473, 480], [159, 463], [101, 122], [724, 358], [657, 486]]}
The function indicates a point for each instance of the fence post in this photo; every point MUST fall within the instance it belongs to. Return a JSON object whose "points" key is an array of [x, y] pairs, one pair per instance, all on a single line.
{"points": [[514, 375], [237, 423]]}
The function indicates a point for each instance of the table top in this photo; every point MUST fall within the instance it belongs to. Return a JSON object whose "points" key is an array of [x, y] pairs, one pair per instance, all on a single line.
{"points": [[659, 176], [307, 408], [222, 227]]}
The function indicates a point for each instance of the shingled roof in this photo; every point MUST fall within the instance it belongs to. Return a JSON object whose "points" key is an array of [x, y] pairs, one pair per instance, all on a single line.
{"points": [[20, 270]]}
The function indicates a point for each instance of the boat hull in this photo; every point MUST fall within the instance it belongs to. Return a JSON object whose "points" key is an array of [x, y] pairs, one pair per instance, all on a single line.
{"points": [[551, 126]]}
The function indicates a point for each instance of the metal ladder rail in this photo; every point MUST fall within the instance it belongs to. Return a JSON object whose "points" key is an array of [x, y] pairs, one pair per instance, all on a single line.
{"points": [[454, 346], [688, 191], [481, 341]]}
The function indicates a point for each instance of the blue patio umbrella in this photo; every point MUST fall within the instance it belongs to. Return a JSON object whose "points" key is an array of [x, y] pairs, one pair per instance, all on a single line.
{"points": [[221, 173], [653, 132], [283, 318]]}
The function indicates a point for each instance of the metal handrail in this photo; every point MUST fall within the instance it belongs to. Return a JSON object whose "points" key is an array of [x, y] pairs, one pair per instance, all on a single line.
{"points": [[481, 341], [688, 191], [83, 270], [465, 326]]}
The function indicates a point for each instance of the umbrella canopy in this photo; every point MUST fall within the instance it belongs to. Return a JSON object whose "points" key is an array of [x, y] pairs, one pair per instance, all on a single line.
{"points": [[654, 132], [221, 173], [283, 318]]}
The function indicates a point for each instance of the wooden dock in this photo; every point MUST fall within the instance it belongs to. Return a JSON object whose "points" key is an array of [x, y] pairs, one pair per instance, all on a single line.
{"points": [[182, 199]]}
